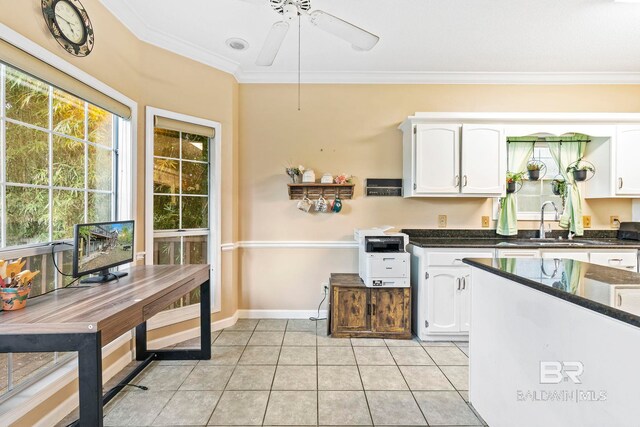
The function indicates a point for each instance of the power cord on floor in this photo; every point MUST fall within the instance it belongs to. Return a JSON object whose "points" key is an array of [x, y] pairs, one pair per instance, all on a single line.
{"points": [[317, 318]]}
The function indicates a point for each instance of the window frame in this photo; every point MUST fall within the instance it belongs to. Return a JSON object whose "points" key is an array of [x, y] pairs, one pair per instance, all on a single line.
{"points": [[215, 189], [125, 186]]}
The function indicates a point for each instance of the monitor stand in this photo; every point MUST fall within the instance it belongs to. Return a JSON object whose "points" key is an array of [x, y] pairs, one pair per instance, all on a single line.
{"points": [[104, 276]]}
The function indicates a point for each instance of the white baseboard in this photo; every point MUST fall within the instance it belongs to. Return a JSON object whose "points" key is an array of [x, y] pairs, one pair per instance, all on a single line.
{"points": [[280, 314]]}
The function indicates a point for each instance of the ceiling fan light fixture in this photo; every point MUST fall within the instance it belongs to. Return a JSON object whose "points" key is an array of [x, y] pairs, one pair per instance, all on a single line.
{"points": [[236, 43], [360, 39]]}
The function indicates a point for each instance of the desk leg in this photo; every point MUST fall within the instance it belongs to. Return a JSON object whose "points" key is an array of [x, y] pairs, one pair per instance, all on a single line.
{"points": [[90, 373], [205, 320], [141, 342]]}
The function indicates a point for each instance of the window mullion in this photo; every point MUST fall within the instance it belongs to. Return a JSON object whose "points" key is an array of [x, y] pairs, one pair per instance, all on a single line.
{"points": [[3, 156], [51, 167], [86, 162]]}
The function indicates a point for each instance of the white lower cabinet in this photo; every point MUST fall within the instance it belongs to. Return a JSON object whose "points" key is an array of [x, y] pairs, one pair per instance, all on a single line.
{"points": [[442, 293], [624, 260]]}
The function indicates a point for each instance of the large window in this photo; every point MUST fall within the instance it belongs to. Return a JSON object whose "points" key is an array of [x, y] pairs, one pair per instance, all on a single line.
{"points": [[58, 157]]}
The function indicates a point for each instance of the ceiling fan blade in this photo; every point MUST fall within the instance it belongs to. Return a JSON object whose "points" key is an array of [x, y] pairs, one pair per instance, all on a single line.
{"points": [[272, 44], [359, 38]]}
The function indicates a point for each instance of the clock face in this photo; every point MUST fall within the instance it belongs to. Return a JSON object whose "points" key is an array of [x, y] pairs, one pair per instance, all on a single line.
{"points": [[69, 24]]}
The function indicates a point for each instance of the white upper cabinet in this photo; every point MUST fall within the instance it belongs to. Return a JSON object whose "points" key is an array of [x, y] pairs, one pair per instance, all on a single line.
{"points": [[437, 159], [627, 154], [444, 160], [484, 150]]}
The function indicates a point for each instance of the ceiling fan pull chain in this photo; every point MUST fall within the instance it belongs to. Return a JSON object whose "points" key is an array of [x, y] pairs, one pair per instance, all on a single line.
{"points": [[299, 54]]}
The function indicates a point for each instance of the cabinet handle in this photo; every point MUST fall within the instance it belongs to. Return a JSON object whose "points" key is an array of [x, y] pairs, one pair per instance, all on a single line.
{"points": [[458, 280], [619, 300], [464, 283], [618, 260], [620, 183], [457, 178], [464, 181]]}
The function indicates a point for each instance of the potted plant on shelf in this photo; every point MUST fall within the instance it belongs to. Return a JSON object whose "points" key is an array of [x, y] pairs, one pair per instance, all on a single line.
{"points": [[559, 186], [513, 178], [534, 168], [579, 170], [295, 173]]}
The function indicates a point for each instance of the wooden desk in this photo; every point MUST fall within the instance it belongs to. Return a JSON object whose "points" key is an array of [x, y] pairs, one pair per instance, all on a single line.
{"points": [[86, 319]]}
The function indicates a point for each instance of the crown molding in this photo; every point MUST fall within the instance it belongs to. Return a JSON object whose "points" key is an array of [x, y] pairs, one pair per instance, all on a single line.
{"points": [[146, 33], [373, 77], [134, 23]]}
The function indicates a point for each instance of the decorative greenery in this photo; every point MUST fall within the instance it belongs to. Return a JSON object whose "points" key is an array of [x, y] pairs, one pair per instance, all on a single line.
{"points": [[514, 177], [559, 186], [534, 166]]}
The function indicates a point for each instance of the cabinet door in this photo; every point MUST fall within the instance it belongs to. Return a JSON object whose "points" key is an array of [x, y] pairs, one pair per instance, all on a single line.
{"points": [[628, 300], [484, 149], [627, 155], [443, 299], [349, 309], [437, 161], [465, 302], [391, 310]]}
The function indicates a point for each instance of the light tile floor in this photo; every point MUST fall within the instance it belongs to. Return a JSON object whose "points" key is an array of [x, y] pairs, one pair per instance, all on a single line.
{"points": [[279, 372]]}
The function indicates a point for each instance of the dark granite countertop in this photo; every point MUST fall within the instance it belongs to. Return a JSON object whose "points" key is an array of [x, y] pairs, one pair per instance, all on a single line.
{"points": [[570, 280], [445, 238]]}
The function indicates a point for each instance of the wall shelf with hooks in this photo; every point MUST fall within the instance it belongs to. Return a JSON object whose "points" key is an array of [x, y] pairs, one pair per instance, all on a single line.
{"points": [[313, 190]]}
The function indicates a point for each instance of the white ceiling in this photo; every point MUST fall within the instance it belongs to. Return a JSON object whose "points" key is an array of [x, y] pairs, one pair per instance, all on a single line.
{"points": [[440, 41]]}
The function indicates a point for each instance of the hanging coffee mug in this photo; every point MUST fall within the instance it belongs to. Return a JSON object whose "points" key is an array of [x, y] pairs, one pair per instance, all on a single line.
{"points": [[305, 204], [321, 204], [337, 205]]}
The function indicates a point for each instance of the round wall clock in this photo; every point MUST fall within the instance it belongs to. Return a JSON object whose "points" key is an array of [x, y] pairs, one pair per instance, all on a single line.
{"points": [[70, 25]]}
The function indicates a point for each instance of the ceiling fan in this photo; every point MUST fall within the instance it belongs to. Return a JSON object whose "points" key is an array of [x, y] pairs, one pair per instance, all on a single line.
{"points": [[290, 9]]}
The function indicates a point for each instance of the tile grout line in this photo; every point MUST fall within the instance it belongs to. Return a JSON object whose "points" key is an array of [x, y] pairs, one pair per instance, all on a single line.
{"points": [[405, 381], [366, 398], [266, 407], [232, 371]]}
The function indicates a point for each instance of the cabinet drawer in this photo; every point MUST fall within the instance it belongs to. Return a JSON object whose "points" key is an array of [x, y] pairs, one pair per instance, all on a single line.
{"points": [[624, 260], [455, 258], [518, 253]]}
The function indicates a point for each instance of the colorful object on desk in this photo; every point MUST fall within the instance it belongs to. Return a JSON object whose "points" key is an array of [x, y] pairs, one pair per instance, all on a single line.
{"points": [[15, 284]]}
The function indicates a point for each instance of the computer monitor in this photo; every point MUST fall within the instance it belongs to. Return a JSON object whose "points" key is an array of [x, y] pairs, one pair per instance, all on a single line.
{"points": [[101, 246]]}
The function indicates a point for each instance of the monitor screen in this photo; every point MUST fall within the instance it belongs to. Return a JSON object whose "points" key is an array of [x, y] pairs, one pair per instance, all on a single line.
{"points": [[100, 246]]}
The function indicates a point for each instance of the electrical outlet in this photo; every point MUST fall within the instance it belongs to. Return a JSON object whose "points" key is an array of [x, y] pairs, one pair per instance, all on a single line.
{"points": [[324, 288], [614, 221], [442, 221], [586, 221], [485, 221]]}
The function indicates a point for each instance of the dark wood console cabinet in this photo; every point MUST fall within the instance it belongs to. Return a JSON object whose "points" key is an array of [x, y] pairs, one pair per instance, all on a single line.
{"points": [[358, 311]]}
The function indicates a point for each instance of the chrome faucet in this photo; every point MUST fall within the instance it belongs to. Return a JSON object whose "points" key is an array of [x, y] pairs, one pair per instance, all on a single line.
{"points": [[544, 205]]}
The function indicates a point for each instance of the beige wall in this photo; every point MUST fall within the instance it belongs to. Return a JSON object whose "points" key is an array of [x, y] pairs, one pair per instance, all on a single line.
{"points": [[353, 129]]}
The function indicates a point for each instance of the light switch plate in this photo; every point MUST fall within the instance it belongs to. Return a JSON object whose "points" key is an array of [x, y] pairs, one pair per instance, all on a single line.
{"points": [[586, 221], [485, 221], [442, 221], [614, 221]]}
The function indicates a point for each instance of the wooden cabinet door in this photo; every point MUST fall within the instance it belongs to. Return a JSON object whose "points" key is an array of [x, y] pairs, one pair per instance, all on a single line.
{"points": [[443, 312], [484, 154], [349, 309], [628, 153], [391, 310], [437, 159]]}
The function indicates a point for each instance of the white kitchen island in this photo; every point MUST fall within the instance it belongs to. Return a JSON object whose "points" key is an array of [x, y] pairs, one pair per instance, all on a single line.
{"points": [[550, 344]]}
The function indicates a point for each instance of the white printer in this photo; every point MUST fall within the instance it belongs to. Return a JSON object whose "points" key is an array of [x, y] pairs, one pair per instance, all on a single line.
{"points": [[383, 259]]}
